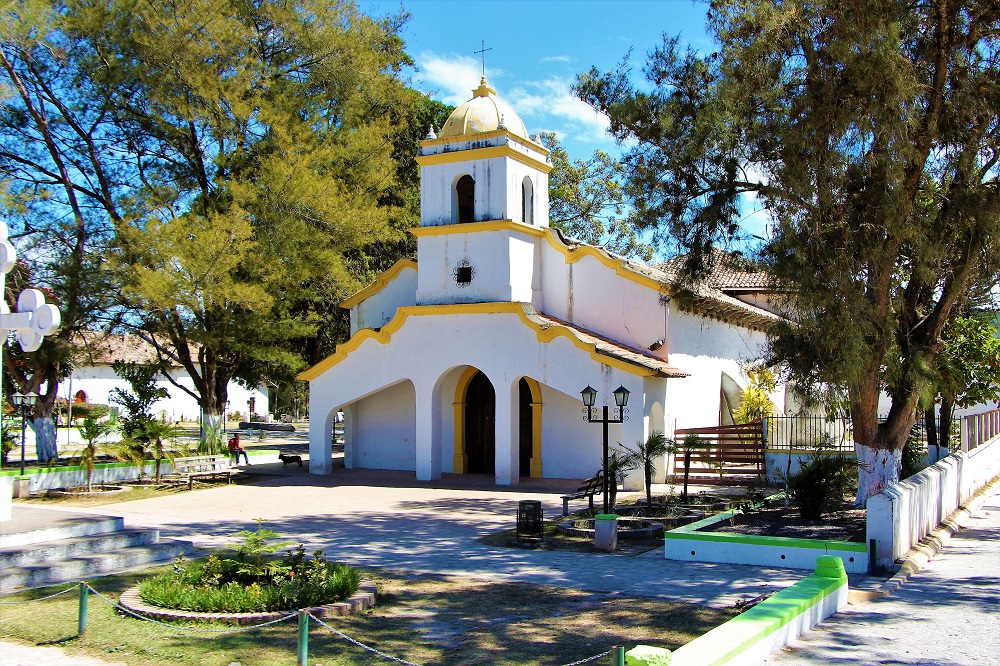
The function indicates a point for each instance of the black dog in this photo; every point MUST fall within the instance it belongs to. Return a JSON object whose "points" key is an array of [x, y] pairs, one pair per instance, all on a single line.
{"points": [[285, 459]]}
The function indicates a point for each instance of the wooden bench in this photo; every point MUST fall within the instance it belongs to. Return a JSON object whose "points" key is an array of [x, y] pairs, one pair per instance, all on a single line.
{"points": [[588, 489], [194, 467]]}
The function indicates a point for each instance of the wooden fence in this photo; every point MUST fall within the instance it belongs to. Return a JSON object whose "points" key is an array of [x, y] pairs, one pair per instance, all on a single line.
{"points": [[733, 452]]}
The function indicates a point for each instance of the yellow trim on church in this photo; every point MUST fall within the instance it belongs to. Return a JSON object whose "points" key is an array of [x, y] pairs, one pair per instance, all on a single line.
{"points": [[380, 283], [483, 154], [545, 335], [482, 136], [478, 227]]}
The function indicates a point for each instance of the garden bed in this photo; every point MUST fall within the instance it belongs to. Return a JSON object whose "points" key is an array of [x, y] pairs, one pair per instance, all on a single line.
{"points": [[846, 524]]}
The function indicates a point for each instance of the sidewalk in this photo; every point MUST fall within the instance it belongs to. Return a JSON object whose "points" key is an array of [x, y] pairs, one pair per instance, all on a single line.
{"points": [[947, 613]]}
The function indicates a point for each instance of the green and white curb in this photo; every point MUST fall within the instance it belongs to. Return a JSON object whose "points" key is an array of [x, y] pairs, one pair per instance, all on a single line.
{"points": [[771, 624], [688, 544]]}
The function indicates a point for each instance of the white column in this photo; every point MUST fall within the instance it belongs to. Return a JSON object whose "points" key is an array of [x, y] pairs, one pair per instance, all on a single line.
{"points": [[508, 455], [350, 436], [320, 433], [428, 447]]}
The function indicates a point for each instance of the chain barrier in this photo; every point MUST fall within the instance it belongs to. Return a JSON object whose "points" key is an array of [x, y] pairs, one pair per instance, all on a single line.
{"points": [[241, 629], [31, 601], [588, 659], [193, 630], [361, 645]]}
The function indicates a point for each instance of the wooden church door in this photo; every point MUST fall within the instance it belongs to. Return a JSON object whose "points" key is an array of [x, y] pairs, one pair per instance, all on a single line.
{"points": [[526, 429], [480, 429]]}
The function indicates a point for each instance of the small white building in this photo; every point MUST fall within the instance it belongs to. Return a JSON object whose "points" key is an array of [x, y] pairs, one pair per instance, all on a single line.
{"points": [[93, 380], [471, 359]]}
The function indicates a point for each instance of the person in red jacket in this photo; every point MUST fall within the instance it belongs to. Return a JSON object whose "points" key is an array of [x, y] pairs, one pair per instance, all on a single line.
{"points": [[236, 449]]}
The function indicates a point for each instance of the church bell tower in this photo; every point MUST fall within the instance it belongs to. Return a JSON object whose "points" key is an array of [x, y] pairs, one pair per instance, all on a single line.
{"points": [[483, 206]]}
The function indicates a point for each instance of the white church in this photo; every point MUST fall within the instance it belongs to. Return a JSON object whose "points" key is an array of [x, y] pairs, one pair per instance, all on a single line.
{"points": [[472, 359]]}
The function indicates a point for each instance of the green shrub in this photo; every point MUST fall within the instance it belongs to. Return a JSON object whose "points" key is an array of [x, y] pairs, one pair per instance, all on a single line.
{"points": [[251, 582], [913, 453], [821, 484]]}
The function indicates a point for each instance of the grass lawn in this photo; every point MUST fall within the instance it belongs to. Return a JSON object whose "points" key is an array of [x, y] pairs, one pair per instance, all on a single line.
{"points": [[423, 619]]}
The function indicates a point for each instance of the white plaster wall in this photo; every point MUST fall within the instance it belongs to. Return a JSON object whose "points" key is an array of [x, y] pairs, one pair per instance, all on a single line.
{"points": [[498, 183], [571, 447], [384, 434], [437, 191], [426, 347], [503, 262], [379, 308], [591, 295], [706, 348], [98, 382]]}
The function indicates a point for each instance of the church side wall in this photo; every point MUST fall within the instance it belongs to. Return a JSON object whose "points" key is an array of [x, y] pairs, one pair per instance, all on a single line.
{"points": [[591, 295], [384, 429], [706, 348], [376, 310]]}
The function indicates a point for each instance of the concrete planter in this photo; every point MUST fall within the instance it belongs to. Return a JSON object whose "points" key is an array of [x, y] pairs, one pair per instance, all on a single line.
{"points": [[6, 493], [606, 532], [22, 487]]}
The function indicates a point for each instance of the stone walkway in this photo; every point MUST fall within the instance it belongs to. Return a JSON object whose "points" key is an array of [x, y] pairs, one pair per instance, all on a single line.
{"points": [[947, 614], [387, 519]]}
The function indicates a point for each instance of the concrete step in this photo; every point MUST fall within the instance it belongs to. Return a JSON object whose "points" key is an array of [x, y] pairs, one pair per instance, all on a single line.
{"points": [[92, 565], [63, 549], [65, 526]]}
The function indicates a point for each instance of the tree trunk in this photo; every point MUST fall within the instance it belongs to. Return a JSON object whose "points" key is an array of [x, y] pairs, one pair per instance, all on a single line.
{"points": [[648, 469], [947, 409], [687, 471], [930, 427], [879, 445], [45, 438]]}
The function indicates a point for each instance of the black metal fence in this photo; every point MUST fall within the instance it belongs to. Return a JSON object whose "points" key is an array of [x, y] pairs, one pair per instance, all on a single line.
{"points": [[834, 435]]}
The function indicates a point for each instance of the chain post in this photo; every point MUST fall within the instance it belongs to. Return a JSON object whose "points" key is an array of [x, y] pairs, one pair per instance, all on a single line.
{"points": [[303, 638], [81, 625], [618, 656]]}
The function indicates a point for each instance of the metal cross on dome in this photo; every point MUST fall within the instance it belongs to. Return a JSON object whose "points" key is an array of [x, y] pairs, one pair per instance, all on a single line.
{"points": [[34, 318], [482, 53]]}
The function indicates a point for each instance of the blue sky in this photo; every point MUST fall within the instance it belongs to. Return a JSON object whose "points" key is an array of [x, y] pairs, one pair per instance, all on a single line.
{"points": [[538, 48]]}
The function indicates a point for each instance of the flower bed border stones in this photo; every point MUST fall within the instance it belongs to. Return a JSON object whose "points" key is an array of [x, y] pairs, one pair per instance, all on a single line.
{"points": [[361, 600]]}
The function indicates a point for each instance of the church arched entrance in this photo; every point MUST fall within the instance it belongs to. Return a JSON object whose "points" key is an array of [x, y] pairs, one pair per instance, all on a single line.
{"points": [[526, 427], [480, 425]]}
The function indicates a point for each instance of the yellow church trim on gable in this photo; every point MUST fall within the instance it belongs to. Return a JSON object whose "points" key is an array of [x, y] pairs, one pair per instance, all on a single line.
{"points": [[483, 154], [381, 282], [575, 254], [544, 335], [478, 227]]}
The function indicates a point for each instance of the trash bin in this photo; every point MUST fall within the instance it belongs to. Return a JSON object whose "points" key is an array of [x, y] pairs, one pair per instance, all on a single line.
{"points": [[530, 526]]}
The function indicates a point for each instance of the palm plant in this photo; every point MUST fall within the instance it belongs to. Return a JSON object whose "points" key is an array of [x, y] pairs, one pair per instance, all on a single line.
{"points": [[645, 453], [92, 430], [689, 445], [157, 433]]}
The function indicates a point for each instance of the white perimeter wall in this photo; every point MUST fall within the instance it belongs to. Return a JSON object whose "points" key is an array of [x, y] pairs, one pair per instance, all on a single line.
{"points": [[383, 429], [902, 515], [99, 381]]}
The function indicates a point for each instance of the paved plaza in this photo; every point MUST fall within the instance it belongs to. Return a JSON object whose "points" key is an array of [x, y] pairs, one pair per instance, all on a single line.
{"points": [[946, 614]]}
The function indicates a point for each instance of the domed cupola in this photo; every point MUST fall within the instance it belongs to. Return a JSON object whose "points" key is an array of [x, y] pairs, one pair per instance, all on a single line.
{"points": [[485, 112]]}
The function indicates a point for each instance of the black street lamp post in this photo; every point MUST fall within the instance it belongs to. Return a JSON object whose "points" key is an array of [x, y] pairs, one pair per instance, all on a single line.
{"points": [[23, 403], [621, 415]]}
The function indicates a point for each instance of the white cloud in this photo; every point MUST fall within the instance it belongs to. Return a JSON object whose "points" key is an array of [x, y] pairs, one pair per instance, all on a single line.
{"points": [[451, 76], [551, 101], [559, 58]]}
